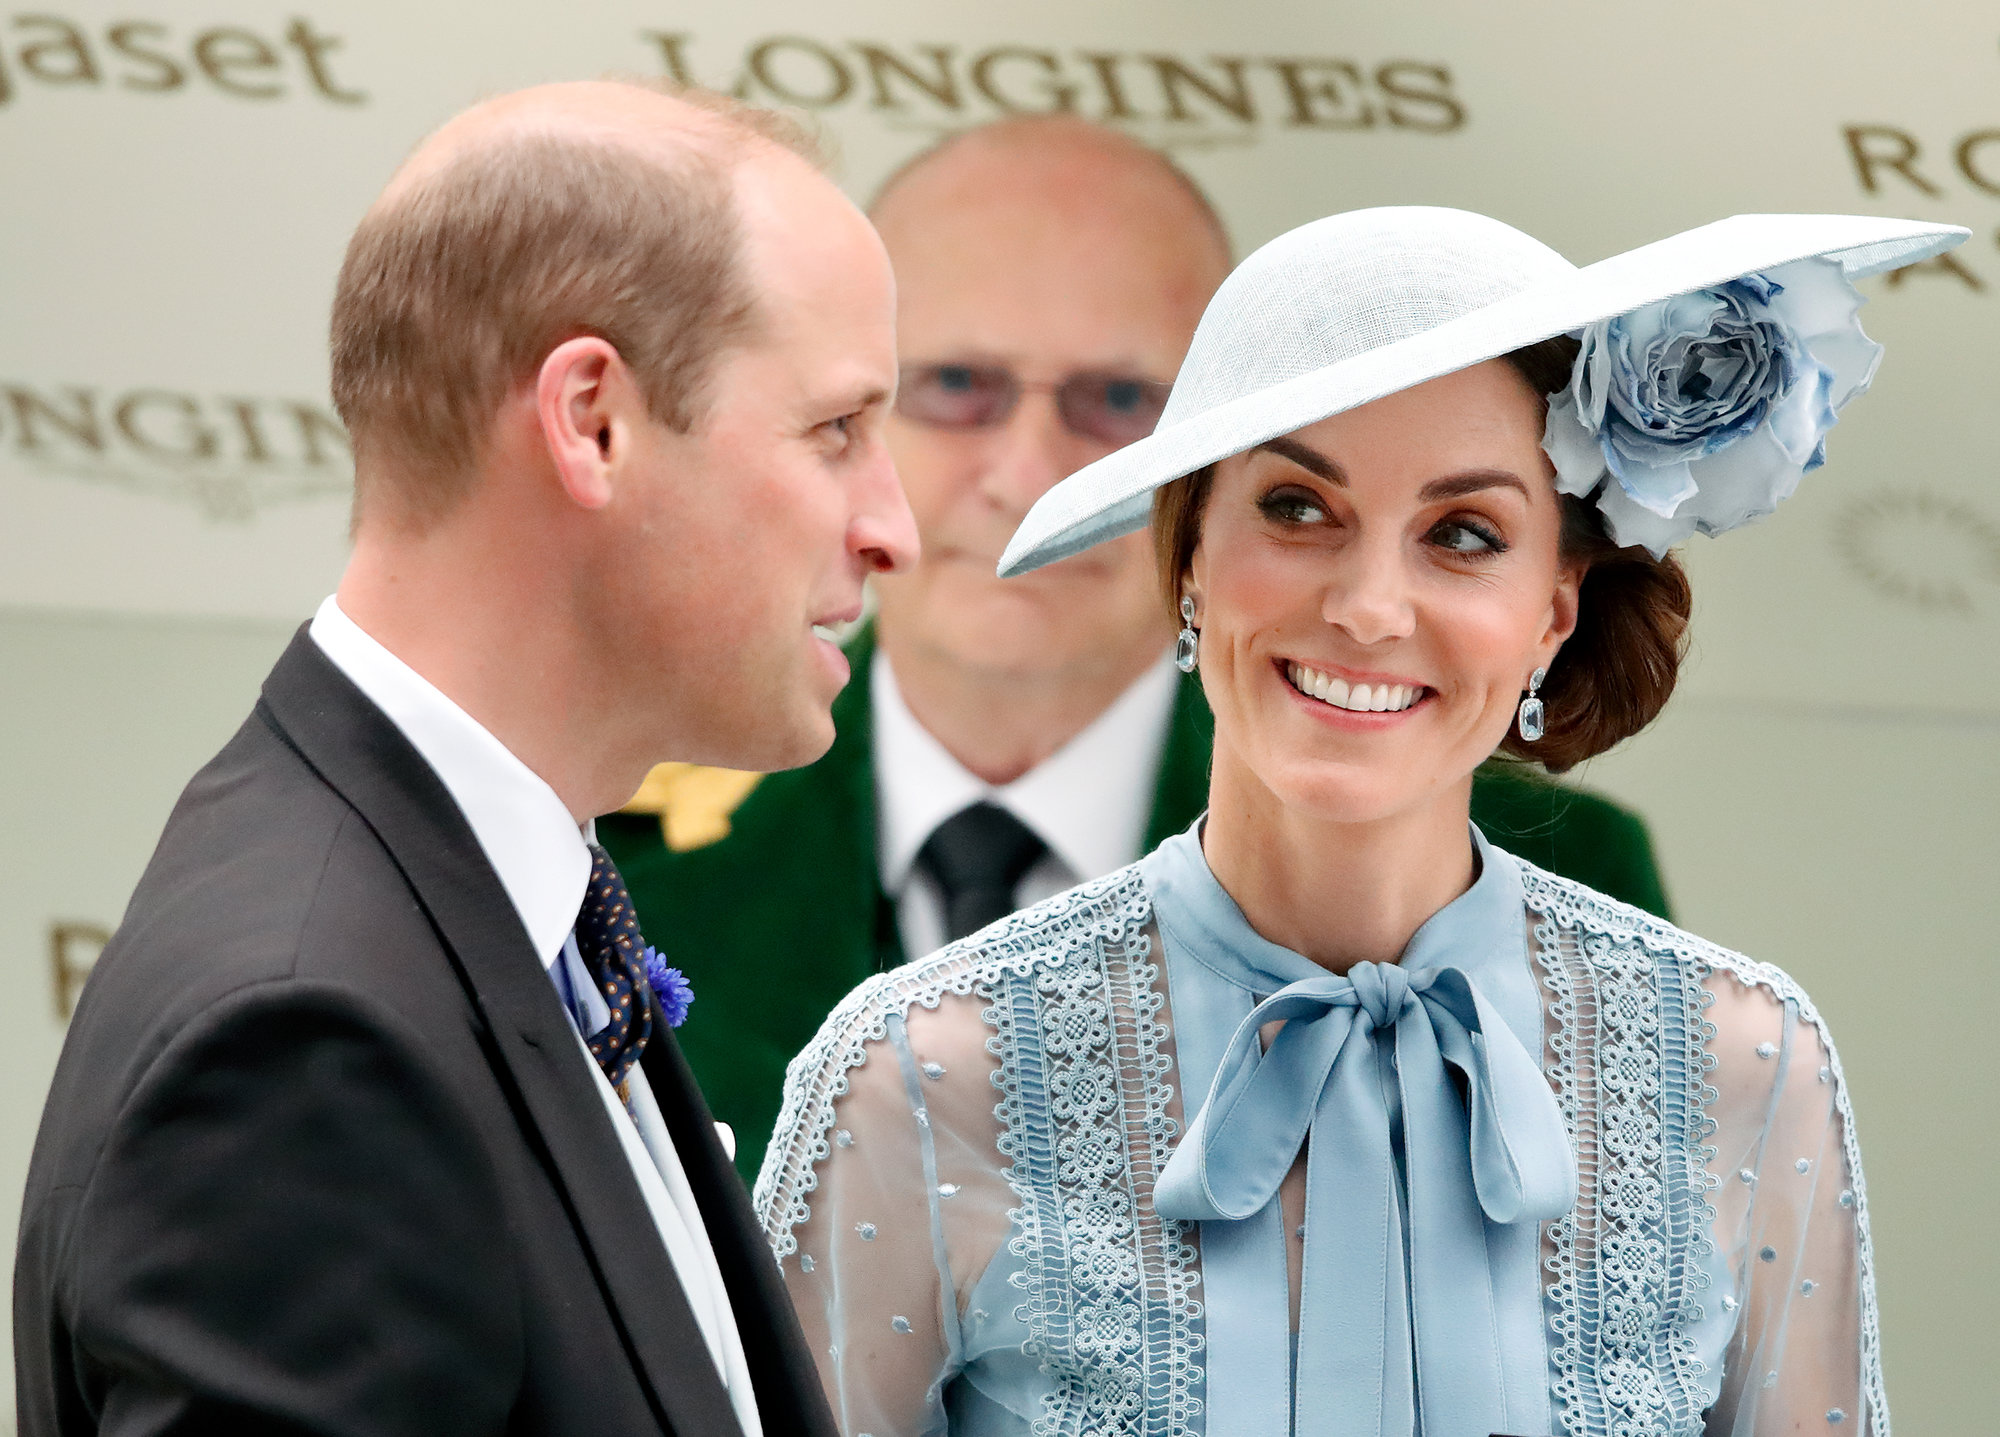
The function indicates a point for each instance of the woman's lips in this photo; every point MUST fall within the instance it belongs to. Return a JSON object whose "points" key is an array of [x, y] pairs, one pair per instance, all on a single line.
{"points": [[1358, 698]]}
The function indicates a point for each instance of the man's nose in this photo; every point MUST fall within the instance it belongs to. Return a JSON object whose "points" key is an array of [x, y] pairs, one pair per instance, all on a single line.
{"points": [[883, 531], [1028, 454], [1369, 596]]}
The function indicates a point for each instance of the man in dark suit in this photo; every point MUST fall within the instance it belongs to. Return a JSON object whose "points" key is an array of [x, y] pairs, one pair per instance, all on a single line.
{"points": [[370, 1120], [1003, 739]]}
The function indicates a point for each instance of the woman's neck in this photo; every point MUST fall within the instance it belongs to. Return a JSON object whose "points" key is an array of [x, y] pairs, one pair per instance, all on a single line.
{"points": [[1339, 893]]}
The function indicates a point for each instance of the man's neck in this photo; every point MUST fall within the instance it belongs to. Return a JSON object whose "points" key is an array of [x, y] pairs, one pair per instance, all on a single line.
{"points": [[1001, 723], [503, 662]]}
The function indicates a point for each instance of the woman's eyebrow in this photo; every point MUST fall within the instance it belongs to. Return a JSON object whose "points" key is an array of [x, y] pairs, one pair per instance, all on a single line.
{"points": [[1457, 486], [1307, 458]]}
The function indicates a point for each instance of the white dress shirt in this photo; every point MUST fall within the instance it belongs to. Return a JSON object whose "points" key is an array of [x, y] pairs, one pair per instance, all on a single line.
{"points": [[542, 860], [1089, 801]]}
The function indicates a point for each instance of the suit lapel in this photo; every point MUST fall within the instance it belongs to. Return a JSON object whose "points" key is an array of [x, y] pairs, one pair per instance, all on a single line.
{"points": [[358, 752], [881, 939], [856, 934], [782, 1372], [1181, 792]]}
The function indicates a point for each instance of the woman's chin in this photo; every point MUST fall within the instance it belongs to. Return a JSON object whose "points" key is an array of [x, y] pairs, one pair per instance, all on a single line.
{"points": [[1348, 794]]}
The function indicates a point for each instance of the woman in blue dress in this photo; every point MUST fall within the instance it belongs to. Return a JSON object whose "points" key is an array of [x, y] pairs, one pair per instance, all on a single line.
{"points": [[1328, 1116]]}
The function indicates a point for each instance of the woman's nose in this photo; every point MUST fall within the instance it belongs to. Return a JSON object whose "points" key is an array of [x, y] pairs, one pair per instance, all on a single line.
{"points": [[1370, 596]]}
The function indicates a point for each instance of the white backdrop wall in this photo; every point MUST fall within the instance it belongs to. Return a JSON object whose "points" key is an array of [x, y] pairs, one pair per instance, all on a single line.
{"points": [[177, 184]]}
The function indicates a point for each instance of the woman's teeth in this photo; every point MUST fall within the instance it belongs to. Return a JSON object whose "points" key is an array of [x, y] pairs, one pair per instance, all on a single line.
{"points": [[1355, 698]]}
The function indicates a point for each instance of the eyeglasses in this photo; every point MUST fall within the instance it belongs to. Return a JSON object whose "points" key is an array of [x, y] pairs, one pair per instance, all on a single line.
{"points": [[1114, 409]]}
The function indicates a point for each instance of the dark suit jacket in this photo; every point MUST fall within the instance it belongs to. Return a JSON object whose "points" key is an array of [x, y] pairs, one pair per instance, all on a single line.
{"points": [[322, 1153], [776, 910]]}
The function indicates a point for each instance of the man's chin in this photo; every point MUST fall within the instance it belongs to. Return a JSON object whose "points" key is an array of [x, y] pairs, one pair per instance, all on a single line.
{"points": [[1026, 650], [987, 627], [792, 729], [803, 743]]}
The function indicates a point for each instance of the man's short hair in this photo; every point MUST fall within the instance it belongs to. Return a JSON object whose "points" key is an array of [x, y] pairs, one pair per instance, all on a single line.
{"points": [[458, 288]]}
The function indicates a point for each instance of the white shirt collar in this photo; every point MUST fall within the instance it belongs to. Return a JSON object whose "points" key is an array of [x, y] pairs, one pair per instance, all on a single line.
{"points": [[1089, 801], [524, 830]]}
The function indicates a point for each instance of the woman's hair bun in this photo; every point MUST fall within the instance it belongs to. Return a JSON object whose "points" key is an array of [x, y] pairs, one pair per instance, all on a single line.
{"points": [[1616, 672]]}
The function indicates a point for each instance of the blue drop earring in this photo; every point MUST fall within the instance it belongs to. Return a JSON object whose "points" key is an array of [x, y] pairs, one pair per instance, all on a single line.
{"points": [[1532, 718], [1184, 646]]}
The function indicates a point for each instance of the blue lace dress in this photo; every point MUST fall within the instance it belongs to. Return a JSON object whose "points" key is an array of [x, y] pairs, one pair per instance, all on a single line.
{"points": [[961, 1189]]}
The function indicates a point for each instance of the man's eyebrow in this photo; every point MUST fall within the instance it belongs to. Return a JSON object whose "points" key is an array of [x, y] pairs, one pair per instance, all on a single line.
{"points": [[1457, 486], [854, 401], [1306, 457]]}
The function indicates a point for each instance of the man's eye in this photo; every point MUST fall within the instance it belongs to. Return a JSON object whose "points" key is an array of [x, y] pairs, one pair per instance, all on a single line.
{"points": [[1123, 395], [1292, 506], [1462, 536]]}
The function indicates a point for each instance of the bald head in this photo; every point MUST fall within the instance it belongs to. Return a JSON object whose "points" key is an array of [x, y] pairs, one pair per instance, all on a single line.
{"points": [[667, 125], [1064, 170], [1065, 265], [1053, 238], [600, 208]]}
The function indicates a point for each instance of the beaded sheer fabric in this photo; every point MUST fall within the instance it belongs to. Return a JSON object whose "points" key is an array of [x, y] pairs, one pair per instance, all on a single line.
{"points": [[960, 1190]]}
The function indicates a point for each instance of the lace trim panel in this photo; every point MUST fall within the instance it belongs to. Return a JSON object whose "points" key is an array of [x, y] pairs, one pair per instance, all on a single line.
{"points": [[817, 1078], [1109, 1286], [1073, 996], [1629, 1039], [1629, 1067]]}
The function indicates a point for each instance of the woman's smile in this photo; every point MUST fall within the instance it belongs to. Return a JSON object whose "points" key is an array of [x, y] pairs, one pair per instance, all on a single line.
{"points": [[1371, 696], [1332, 574]]}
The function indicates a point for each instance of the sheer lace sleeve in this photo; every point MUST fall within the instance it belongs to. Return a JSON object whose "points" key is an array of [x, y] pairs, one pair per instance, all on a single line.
{"points": [[901, 1211], [1791, 1222]]}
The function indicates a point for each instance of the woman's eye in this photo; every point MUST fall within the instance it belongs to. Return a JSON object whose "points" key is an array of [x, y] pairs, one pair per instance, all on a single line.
{"points": [[1462, 536], [1292, 506]]}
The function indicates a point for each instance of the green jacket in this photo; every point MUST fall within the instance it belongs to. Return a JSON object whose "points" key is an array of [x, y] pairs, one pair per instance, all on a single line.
{"points": [[774, 908]]}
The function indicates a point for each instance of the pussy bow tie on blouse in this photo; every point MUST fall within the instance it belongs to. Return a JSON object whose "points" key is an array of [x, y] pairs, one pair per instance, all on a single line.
{"points": [[1487, 1147]]}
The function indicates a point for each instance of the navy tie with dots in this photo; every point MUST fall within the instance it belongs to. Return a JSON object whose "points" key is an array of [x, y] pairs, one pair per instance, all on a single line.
{"points": [[607, 938]]}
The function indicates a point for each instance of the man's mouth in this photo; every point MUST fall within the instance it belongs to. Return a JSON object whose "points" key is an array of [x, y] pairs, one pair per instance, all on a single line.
{"points": [[1355, 698]]}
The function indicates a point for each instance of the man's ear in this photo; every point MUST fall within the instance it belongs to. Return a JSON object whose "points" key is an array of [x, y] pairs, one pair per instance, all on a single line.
{"points": [[582, 398]]}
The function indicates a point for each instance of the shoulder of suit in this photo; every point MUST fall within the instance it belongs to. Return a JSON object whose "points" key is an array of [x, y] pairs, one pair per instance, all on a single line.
{"points": [[693, 802]]}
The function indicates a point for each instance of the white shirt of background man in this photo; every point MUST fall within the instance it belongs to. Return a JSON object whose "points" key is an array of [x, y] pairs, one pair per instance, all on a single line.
{"points": [[542, 860], [1089, 801]]}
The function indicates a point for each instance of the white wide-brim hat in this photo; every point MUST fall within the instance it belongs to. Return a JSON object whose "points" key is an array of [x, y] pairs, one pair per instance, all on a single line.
{"points": [[1348, 309]]}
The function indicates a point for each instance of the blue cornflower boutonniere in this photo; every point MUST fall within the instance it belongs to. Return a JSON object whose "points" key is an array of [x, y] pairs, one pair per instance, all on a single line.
{"points": [[670, 986]]}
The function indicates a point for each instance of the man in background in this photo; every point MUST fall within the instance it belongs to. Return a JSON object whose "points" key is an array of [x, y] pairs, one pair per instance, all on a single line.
{"points": [[1002, 740], [370, 1120]]}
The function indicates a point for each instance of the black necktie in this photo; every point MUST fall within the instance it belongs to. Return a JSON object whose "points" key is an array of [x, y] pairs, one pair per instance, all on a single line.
{"points": [[977, 857], [607, 939]]}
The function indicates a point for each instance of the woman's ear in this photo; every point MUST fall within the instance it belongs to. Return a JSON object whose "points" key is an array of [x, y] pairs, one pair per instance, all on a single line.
{"points": [[1563, 608], [580, 400], [1193, 585]]}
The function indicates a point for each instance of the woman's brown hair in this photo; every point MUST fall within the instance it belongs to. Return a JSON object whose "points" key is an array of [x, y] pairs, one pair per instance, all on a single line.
{"points": [[1611, 676]]}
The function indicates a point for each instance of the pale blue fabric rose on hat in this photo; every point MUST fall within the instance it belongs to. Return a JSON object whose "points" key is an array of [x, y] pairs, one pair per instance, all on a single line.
{"points": [[1703, 411]]}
